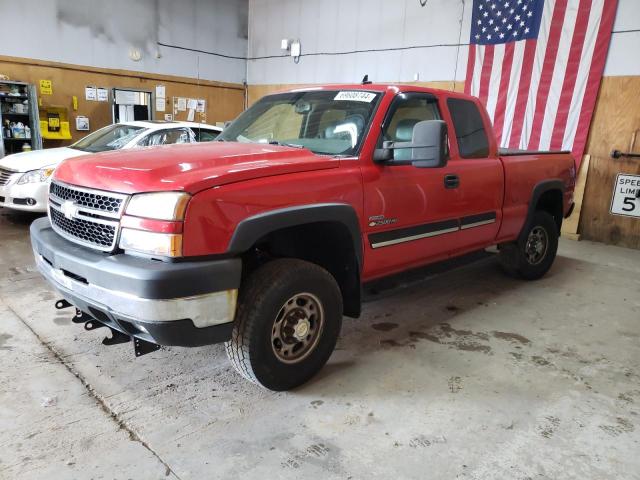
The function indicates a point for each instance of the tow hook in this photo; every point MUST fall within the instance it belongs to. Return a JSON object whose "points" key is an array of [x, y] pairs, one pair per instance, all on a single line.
{"points": [[62, 303], [141, 347]]}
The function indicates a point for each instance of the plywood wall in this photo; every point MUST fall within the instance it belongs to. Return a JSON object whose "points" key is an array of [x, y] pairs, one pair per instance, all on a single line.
{"points": [[616, 118], [224, 101]]}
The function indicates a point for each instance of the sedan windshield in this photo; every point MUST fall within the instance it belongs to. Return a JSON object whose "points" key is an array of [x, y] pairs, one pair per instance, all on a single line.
{"points": [[327, 122], [112, 137]]}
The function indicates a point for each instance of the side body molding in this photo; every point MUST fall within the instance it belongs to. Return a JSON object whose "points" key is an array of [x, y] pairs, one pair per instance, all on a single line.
{"points": [[253, 228]]}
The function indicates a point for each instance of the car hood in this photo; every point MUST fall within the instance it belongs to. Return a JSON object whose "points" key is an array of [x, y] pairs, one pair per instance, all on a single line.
{"points": [[25, 161], [190, 168]]}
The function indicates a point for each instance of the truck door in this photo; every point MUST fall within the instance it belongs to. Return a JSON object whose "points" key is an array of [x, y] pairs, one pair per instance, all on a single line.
{"points": [[408, 213], [474, 176]]}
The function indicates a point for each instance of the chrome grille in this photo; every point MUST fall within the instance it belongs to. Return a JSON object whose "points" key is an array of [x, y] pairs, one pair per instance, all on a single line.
{"points": [[101, 201], [100, 235], [85, 216], [5, 176]]}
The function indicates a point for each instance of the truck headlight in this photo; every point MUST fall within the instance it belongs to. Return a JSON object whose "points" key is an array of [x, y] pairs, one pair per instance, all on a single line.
{"points": [[152, 243], [36, 176], [159, 205]]}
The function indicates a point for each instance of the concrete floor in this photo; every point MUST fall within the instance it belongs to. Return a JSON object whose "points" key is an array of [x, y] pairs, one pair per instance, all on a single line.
{"points": [[468, 374]]}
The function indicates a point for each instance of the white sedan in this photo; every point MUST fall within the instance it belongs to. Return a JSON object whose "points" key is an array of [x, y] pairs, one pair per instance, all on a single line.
{"points": [[24, 177]]}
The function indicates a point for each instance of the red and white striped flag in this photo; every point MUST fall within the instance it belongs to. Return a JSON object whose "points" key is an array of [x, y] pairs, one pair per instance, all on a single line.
{"points": [[536, 65]]}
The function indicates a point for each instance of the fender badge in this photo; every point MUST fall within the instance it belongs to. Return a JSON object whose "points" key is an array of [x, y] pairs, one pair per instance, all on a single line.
{"points": [[380, 220]]}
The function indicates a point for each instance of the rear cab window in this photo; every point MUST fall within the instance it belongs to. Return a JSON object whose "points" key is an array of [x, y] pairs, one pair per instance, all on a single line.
{"points": [[469, 128]]}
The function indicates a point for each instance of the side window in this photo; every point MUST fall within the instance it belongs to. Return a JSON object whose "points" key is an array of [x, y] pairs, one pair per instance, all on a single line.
{"points": [[470, 132], [407, 110], [168, 137], [204, 135]]}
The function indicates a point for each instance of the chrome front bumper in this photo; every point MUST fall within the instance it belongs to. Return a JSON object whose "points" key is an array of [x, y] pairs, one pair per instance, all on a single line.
{"points": [[203, 310], [185, 303]]}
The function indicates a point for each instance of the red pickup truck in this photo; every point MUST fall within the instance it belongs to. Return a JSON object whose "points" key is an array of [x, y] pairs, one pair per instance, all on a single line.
{"points": [[263, 239]]}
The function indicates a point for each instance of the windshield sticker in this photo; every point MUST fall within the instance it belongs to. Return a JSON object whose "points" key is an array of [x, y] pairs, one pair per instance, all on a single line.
{"points": [[356, 96]]}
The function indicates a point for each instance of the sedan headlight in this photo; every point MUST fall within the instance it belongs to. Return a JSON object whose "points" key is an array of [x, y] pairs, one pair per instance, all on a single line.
{"points": [[36, 176], [159, 205], [152, 243]]}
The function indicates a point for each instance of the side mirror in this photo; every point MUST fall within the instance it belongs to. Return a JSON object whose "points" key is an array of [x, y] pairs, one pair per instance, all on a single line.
{"points": [[384, 154], [429, 146]]}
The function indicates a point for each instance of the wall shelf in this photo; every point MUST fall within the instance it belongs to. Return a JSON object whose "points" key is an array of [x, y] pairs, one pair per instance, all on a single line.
{"points": [[9, 118]]}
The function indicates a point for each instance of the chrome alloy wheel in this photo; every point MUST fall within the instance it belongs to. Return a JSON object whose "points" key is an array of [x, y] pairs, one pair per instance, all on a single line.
{"points": [[536, 247], [297, 328]]}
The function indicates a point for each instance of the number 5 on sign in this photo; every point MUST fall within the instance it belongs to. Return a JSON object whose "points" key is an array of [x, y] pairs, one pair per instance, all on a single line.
{"points": [[626, 196]]}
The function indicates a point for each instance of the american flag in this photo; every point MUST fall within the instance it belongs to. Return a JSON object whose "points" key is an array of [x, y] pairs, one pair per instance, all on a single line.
{"points": [[536, 65]]}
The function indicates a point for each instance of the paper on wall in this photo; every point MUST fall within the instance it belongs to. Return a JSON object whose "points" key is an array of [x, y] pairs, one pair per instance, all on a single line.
{"points": [[82, 123], [202, 105], [182, 104], [191, 115], [46, 87], [160, 91], [161, 104], [90, 94], [192, 104], [168, 117], [102, 94]]}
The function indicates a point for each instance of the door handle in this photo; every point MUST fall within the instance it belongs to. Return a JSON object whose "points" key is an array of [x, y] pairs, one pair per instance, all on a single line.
{"points": [[451, 181]]}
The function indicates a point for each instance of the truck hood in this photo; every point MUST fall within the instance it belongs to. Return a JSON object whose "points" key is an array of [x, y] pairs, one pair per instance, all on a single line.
{"points": [[190, 168], [36, 159]]}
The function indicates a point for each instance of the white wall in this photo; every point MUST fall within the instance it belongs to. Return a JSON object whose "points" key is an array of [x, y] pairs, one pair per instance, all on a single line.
{"points": [[624, 51], [346, 25], [99, 33]]}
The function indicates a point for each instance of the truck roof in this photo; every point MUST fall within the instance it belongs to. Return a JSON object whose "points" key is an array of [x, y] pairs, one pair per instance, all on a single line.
{"points": [[377, 87]]}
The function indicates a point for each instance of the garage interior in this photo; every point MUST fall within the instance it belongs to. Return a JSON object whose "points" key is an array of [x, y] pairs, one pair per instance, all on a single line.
{"points": [[451, 371]]}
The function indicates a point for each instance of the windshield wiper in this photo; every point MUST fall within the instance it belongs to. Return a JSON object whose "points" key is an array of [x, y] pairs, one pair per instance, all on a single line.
{"points": [[284, 144]]}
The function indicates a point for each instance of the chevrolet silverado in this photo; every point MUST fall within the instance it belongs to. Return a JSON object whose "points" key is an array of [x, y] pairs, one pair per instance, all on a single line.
{"points": [[263, 239]]}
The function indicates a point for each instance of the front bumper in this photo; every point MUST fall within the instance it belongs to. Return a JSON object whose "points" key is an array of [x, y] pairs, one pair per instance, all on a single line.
{"points": [[29, 197], [189, 303]]}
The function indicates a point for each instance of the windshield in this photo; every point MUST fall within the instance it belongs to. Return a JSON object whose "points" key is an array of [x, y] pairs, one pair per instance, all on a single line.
{"points": [[112, 137], [324, 121]]}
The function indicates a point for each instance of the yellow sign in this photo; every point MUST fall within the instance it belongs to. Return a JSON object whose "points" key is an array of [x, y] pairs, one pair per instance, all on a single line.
{"points": [[46, 87], [54, 122], [75, 102]]}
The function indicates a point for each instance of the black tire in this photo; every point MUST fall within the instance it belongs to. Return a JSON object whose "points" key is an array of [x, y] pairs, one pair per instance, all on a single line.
{"points": [[523, 259], [264, 308]]}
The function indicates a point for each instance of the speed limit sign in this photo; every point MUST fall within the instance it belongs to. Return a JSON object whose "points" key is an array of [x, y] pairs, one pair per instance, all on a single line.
{"points": [[626, 196]]}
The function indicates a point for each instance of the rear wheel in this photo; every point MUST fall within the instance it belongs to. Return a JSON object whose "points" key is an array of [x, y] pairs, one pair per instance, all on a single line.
{"points": [[287, 323], [532, 256]]}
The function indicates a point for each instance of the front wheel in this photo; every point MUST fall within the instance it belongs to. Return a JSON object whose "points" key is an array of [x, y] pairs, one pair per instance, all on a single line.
{"points": [[287, 323], [532, 256]]}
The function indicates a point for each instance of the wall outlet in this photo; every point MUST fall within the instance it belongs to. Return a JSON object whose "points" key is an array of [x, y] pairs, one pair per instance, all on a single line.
{"points": [[295, 48]]}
